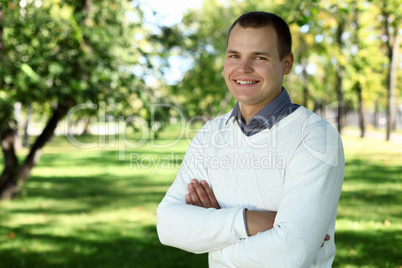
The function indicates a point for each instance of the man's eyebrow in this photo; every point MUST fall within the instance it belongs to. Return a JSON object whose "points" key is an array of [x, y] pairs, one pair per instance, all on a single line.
{"points": [[231, 51], [262, 53]]}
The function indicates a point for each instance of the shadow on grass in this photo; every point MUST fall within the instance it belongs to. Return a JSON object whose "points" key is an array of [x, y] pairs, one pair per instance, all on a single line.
{"points": [[370, 186], [112, 158], [102, 243], [111, 251], [362, 248], [373, 195], [360, 170], [134, 243], [94, 193]]}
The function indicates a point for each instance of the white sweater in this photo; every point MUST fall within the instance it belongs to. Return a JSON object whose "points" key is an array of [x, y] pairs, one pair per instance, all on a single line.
{"points": [[296, 169]]}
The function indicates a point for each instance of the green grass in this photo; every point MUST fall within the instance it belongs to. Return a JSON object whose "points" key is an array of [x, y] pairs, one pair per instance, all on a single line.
{"points": [[87, 208], [369, 223]]}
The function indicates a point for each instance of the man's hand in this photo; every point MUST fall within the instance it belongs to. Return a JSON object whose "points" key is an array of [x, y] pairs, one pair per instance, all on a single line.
{"points": [[327, 237], [201, 195]]}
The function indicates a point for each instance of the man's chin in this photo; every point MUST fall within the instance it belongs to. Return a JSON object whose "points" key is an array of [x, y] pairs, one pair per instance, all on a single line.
{"points": [[246, 101]]}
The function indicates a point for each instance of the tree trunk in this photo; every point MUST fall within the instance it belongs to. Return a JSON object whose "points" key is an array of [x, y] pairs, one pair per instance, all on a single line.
{"points": [[18, 121], [306, 94], [339, 87], [15, 175], [2, 46], [26, 126], [356, 65], [341, 104], [11, 164], [362, 112], [324, 111], [393, 56], [376, 116], [87, 124], [392, 52]]}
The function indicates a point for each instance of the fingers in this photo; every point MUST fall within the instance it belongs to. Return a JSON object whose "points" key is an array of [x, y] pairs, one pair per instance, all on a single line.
{"points": [[195, 197], [327, 238], [210, 194], [189, 201], [200, 194]]}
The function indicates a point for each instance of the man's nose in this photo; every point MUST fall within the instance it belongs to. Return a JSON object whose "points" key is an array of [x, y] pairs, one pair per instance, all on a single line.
{"points": [[245, 66]]}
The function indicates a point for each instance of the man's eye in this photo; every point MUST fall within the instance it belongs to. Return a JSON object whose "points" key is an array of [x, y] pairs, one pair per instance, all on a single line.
{"points": [[261, 58], [234, 56]]}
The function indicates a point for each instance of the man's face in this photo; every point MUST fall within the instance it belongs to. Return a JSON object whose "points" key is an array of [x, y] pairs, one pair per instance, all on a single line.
{"points": [[253, 70]]}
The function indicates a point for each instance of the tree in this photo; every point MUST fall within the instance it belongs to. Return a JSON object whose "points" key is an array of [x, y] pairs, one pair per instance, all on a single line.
{"points": [[344, 37], [363, 67], [340, 74], [58, 55], [391, 17], [313, 49]]}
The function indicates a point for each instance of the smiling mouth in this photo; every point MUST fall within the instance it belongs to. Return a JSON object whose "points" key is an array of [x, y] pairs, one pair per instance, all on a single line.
{"points": [[241, 82]]}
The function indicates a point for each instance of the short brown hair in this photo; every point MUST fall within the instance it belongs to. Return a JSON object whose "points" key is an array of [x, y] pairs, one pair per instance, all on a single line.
{"points": [[258, 19]]}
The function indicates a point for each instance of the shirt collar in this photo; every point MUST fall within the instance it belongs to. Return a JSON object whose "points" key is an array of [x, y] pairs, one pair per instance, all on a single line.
{"points": [[266, 117], [235, 113]]}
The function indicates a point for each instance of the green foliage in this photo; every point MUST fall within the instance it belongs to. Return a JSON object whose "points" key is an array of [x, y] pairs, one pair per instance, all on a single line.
{"points": [[59, 50], [58, 56]]}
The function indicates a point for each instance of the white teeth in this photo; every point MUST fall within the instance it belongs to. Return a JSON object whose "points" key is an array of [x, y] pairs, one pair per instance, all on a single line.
{"points": [[246, 82]]}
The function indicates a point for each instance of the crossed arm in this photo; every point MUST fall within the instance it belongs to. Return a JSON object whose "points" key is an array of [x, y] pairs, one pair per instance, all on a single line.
{"points": [[201, 195]]}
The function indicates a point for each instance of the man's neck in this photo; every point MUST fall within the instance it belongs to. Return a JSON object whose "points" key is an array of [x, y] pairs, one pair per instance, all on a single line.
{"points": [[248, 111]]}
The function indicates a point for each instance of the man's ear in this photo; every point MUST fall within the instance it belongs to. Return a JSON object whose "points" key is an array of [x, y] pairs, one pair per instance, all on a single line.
{"points": [[288, 63]]}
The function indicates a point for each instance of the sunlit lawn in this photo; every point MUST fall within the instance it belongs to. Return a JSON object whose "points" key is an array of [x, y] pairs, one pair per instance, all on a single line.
{"points": [[88, 208], [369, 225]]}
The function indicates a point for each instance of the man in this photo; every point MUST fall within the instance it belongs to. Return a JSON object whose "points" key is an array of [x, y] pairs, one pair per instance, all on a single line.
{"points": [[259, 186]]}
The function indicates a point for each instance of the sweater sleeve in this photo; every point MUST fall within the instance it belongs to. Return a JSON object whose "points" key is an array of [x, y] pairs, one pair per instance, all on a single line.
{"points": [[191, 228], [307, 207]]}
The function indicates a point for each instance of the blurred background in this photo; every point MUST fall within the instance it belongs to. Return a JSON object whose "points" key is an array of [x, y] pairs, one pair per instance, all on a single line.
{"points": [[99, 100]]}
